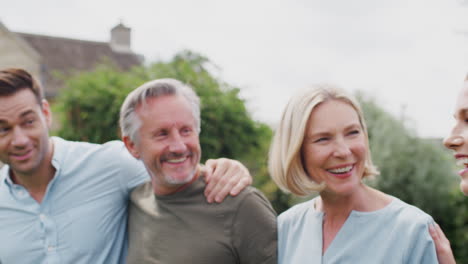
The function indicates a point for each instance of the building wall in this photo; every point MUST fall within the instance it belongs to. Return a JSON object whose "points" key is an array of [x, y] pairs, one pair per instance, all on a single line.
{"points": [[14, 54]]}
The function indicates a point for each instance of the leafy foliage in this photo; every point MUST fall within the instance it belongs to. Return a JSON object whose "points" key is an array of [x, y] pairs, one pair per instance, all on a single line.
{"points": [[89, 106]]}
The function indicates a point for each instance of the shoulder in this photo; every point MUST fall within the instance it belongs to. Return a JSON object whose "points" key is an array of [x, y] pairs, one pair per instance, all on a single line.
{"points": [[251, 193], [110, 153], [406, 214], [249, 204], [408, 220], [63, 146], [295, 212], [412, 225], [250, 197]]}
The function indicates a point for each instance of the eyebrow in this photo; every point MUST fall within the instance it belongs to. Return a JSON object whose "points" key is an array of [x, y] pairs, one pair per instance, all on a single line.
{"points": [[26, 113], [22, 115]]}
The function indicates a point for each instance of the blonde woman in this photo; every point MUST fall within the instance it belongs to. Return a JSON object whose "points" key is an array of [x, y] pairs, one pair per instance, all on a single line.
{"points": [[321, 145]]}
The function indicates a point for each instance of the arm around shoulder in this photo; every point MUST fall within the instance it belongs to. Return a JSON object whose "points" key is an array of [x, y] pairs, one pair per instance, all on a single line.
{"points": [[130, 171]]}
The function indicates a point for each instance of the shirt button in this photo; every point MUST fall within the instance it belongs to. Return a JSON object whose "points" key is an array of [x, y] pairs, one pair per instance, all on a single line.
{"points": [[50, 248], [42, 217], [21, 193]]}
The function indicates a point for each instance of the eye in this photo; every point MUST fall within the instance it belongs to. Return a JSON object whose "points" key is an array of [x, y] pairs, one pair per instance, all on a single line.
{"points": [[354, 132], [4, 130], [29, 122], [160, 134], [322, 139], [186, 131]]}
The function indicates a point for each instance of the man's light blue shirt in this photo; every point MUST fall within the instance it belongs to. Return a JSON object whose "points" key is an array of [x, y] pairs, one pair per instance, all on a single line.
{"points": [[395, 234], [83, 215]]}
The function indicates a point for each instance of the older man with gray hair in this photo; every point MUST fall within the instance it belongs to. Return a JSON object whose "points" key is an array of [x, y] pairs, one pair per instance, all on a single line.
{"points": [[170, 221]]}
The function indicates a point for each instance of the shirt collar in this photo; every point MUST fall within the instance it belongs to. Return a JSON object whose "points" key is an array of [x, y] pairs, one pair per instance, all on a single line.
{"points": [[5, 175]]}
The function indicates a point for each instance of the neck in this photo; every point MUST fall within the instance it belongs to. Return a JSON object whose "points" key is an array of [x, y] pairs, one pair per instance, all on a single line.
{"points": [[364, 199], [36, 182]]}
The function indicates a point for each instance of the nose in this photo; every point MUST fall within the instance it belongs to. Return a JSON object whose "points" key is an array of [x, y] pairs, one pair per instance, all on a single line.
{"points": [[342, 149], [177, 144], [20, 139], [453, 141]]}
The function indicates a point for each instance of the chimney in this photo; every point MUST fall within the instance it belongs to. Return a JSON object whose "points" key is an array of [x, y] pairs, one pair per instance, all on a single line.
{"points": [[120, 38]]}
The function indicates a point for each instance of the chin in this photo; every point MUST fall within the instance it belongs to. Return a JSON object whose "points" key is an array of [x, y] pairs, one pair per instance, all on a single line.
{"points": [[178, 180], [464, 187]]}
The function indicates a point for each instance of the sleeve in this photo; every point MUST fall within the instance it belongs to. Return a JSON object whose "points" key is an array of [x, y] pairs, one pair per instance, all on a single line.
{"points": [[422, 248], [254, 230], [132, 171], [283, 232]]}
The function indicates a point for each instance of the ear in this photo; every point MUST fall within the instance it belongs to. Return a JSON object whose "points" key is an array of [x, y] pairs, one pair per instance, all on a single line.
{"points": [[131, 147], [47, 112]]}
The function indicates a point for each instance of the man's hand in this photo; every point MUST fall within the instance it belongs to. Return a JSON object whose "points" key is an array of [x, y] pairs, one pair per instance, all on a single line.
{"points": [[223, 177], [444, 252]]}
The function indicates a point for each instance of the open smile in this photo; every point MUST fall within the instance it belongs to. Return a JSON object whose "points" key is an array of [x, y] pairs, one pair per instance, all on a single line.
{"points": [[341, 171], [176, 159]]}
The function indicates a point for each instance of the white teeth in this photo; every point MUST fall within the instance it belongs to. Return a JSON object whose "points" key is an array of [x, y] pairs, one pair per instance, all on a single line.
{"points": [[341, 170], [462, 161], [176, 160]]}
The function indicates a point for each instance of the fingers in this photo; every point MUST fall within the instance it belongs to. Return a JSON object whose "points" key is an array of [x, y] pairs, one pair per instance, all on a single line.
{"points": [[223, 177], [433, 233], [438, 234], [207, 169], [442, 244]]}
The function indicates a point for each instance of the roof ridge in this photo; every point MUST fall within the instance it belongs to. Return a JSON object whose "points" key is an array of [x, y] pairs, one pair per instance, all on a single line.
{"points": [[62, 38]]}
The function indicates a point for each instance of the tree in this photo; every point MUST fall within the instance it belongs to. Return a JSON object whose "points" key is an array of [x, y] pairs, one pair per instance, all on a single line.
{"points": [[88, 107]]}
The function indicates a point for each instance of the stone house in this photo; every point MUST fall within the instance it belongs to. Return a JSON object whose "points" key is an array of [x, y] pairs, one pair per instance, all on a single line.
{"points": [[44, 55]]}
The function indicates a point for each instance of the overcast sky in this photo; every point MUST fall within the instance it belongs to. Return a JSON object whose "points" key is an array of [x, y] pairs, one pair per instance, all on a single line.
{"points": [[410, 55]]}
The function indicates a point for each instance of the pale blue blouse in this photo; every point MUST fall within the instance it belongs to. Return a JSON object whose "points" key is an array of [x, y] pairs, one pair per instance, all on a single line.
{"points": [[397, 233]]}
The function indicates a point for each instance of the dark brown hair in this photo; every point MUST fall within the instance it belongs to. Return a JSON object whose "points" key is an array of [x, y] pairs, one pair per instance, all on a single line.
{"points": [[13, 80]]}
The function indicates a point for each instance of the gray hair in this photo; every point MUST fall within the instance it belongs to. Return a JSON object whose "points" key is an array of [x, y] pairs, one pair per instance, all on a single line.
{"points": [[129, 121]]}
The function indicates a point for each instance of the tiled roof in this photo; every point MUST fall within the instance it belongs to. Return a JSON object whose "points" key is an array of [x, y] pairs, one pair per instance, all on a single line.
{"points": [[67, 55]]}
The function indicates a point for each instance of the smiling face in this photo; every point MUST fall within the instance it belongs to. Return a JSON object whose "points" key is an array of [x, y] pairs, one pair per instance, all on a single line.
{"points": [[24, 138], [334, 148], [458, 138], [167, 142]]}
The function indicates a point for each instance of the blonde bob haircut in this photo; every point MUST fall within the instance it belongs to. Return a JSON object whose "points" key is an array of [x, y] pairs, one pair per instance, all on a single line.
{"points": [[285, 159]]}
